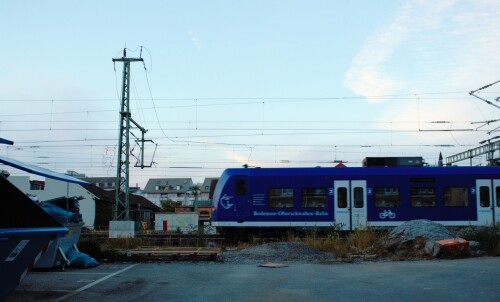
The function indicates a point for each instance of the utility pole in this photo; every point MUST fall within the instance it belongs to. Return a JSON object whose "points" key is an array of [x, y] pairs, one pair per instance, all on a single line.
{"points": [[122, 226]]}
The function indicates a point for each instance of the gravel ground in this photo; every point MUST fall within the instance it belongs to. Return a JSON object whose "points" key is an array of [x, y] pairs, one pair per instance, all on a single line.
{"points": [[277, 252]]}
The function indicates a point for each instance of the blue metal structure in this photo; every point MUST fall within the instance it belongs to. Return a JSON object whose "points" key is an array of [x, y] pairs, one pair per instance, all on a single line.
{"points": [[41, 171], [26, 230], [355, 197]]}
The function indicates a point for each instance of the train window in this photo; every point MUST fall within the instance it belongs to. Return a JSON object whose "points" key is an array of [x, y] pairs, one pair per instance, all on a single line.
{"points": [[498, 196], [387, 197], [342, 197], [358, 197], [313, 198], [241, 187], [422, 197], [281, 198], [484, 196], [455, 197]]}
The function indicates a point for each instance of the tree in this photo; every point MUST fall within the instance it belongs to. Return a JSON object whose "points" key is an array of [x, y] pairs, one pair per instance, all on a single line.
{"points": [[169, 205]]}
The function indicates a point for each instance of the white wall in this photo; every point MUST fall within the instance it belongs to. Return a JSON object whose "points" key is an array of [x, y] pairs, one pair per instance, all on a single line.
{"points": [[186, 222], [153, 197], [156, 197], [55, 188]]}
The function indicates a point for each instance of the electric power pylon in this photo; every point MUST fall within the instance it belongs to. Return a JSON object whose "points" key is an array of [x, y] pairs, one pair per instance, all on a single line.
{"points": [[121, 209]]}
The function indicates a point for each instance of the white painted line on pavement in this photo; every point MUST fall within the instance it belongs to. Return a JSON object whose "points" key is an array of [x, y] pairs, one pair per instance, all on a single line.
{"points": [[94, 283]]}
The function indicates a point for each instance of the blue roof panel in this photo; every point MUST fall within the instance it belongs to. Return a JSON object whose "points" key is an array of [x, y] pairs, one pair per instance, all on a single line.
{"points": [[41, 171]]}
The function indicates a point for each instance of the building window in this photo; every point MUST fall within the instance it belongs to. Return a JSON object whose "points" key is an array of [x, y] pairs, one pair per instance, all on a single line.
{"points": [[37, 186], [313, 198], [281, 198], [422, 197], [455, 197], [387, 197]]}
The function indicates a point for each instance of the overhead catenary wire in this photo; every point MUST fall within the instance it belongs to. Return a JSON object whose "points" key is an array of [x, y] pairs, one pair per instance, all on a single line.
{"points": [[285, 131], [196, 104], [194, 134], [259, 99], [473, 93]]}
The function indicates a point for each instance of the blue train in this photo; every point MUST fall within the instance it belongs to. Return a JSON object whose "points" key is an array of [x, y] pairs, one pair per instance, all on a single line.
{"points": [[352, 198]]}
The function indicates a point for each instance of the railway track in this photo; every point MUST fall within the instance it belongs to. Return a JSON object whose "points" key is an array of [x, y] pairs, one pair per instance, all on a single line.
{"points": [[189, 242], [153, 247], [165, 240]]}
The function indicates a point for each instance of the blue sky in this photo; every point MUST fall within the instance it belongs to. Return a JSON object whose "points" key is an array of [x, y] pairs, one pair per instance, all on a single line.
{"points": [[264, 83]]}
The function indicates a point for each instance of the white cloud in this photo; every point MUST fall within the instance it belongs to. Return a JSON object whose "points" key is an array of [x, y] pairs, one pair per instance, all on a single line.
{"points": [[194, 39], [239, 158], [432, 46], [370, 83], [429, 46]]}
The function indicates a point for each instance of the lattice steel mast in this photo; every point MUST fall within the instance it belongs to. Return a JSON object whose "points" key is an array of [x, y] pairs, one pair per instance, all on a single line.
{"points": [[121, 210]]}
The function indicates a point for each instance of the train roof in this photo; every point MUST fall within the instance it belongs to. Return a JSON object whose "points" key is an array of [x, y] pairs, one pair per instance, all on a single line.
{"points": [[363, 171]]}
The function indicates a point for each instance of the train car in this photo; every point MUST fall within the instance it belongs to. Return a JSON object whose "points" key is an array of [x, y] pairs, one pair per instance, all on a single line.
{"points": [[354, 198]]}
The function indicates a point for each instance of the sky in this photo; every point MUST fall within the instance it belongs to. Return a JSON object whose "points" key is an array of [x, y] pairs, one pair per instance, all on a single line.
{"points": [[263, 83]]}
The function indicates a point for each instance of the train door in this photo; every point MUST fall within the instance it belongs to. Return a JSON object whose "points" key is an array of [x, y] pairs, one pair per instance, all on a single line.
{"points": [[350, 203], [241, 203], [496, 200], [487, 201]]}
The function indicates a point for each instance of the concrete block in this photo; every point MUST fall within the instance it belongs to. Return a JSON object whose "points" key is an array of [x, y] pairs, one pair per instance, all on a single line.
{"points": [[121, 229]]}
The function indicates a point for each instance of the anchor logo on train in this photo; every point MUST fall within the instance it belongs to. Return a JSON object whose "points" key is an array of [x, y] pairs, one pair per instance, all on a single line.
{"points": [[225, 202]]}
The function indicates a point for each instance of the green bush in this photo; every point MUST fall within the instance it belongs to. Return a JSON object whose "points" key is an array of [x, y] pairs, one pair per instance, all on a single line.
{"points": [[90, 246], [487, 237]]}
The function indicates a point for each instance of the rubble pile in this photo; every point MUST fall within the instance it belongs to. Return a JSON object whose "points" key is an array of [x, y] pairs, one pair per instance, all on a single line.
{"points": [[423, 237]]}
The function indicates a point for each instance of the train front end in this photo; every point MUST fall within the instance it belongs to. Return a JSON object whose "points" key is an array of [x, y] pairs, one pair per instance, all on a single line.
{"points": [[271, 200], [229, 199]]}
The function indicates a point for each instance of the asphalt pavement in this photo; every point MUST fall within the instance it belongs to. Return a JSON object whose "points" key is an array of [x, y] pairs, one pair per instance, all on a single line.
{"points": [[471, 279]]}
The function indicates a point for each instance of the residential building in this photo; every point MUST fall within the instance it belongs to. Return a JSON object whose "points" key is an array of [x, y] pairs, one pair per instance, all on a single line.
{"points": [[173, 189], [141, 209], [105, 183], [96, 205], [51, 188], [206, 187]]}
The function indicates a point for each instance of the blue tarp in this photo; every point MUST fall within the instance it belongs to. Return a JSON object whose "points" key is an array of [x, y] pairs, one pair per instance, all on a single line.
{"points": [[63, 209], [80, 260], [67, 211]]}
